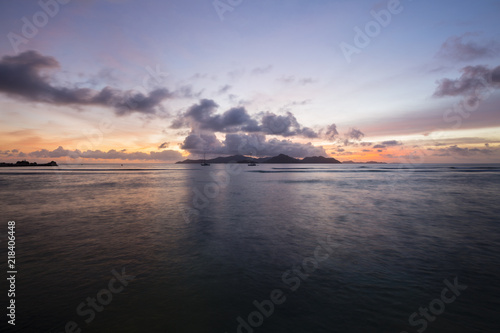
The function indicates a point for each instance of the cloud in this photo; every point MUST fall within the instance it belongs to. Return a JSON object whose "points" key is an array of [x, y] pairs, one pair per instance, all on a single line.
{"points": [[236, 74], [258, 145], [455, 150], [166, 155], [287, 79], [474, 81], [460, 49], [262, 70], [252, 144], [307, 80], [379, 147], [59, 152], [331, 132], [289, 106], [25, 76], [163, 145], [187, 91], [392, 143], [199, 143], [203, 76], [284, 125], [495, 75], [107, 75], [224, 89], [203, 117], [354, 134]]}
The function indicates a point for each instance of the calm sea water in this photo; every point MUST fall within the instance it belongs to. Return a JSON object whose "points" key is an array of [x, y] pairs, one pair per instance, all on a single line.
{"points": [[204, 243]]}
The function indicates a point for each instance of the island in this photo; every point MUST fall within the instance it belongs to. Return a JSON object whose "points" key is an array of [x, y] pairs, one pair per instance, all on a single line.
{"points": [[280, 159], [26, 163], [369, 162]]}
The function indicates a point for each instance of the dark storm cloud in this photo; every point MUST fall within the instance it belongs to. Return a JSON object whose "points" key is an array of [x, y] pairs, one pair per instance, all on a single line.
{"points": [[461, 49], [25, 76]]}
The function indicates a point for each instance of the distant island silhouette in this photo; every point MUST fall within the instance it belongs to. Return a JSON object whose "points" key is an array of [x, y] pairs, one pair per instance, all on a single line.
{"points": [[369, 162], [280, 159], [26, 163]]}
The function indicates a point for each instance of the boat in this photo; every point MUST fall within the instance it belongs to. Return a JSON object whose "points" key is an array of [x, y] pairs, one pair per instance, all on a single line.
{"points": [[204, 163], [252, 164]]}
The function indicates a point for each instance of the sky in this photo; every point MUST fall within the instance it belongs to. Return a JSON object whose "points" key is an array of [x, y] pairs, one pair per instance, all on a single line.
{"points": [[410, 81]]}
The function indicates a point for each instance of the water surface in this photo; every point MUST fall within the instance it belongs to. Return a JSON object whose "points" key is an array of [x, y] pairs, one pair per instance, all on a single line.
{"points": [[205, 242]]}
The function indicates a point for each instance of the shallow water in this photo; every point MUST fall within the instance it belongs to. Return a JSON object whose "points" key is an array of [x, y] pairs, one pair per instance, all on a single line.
{"points": [[204, 243]]}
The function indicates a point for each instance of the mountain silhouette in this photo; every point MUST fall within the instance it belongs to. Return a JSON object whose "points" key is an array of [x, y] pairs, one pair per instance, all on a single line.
{"points": [[280, 159]]}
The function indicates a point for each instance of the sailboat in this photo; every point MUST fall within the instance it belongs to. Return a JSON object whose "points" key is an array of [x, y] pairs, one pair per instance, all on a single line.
{"points": [[204, 163], [252, 163]]}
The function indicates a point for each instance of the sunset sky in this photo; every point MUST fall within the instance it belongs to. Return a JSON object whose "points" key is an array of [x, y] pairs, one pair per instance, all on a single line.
{"points": [[158, 81]]}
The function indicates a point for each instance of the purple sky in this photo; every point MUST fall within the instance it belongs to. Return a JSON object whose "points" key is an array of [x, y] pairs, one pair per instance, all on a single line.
{"points": [[153, 81]]}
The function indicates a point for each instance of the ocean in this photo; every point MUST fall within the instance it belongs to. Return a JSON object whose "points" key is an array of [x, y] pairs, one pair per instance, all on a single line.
{"points": [[271, 248]]}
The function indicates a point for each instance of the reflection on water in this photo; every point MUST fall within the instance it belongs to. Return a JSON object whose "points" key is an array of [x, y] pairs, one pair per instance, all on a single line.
{"points": [[205, 243]]}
